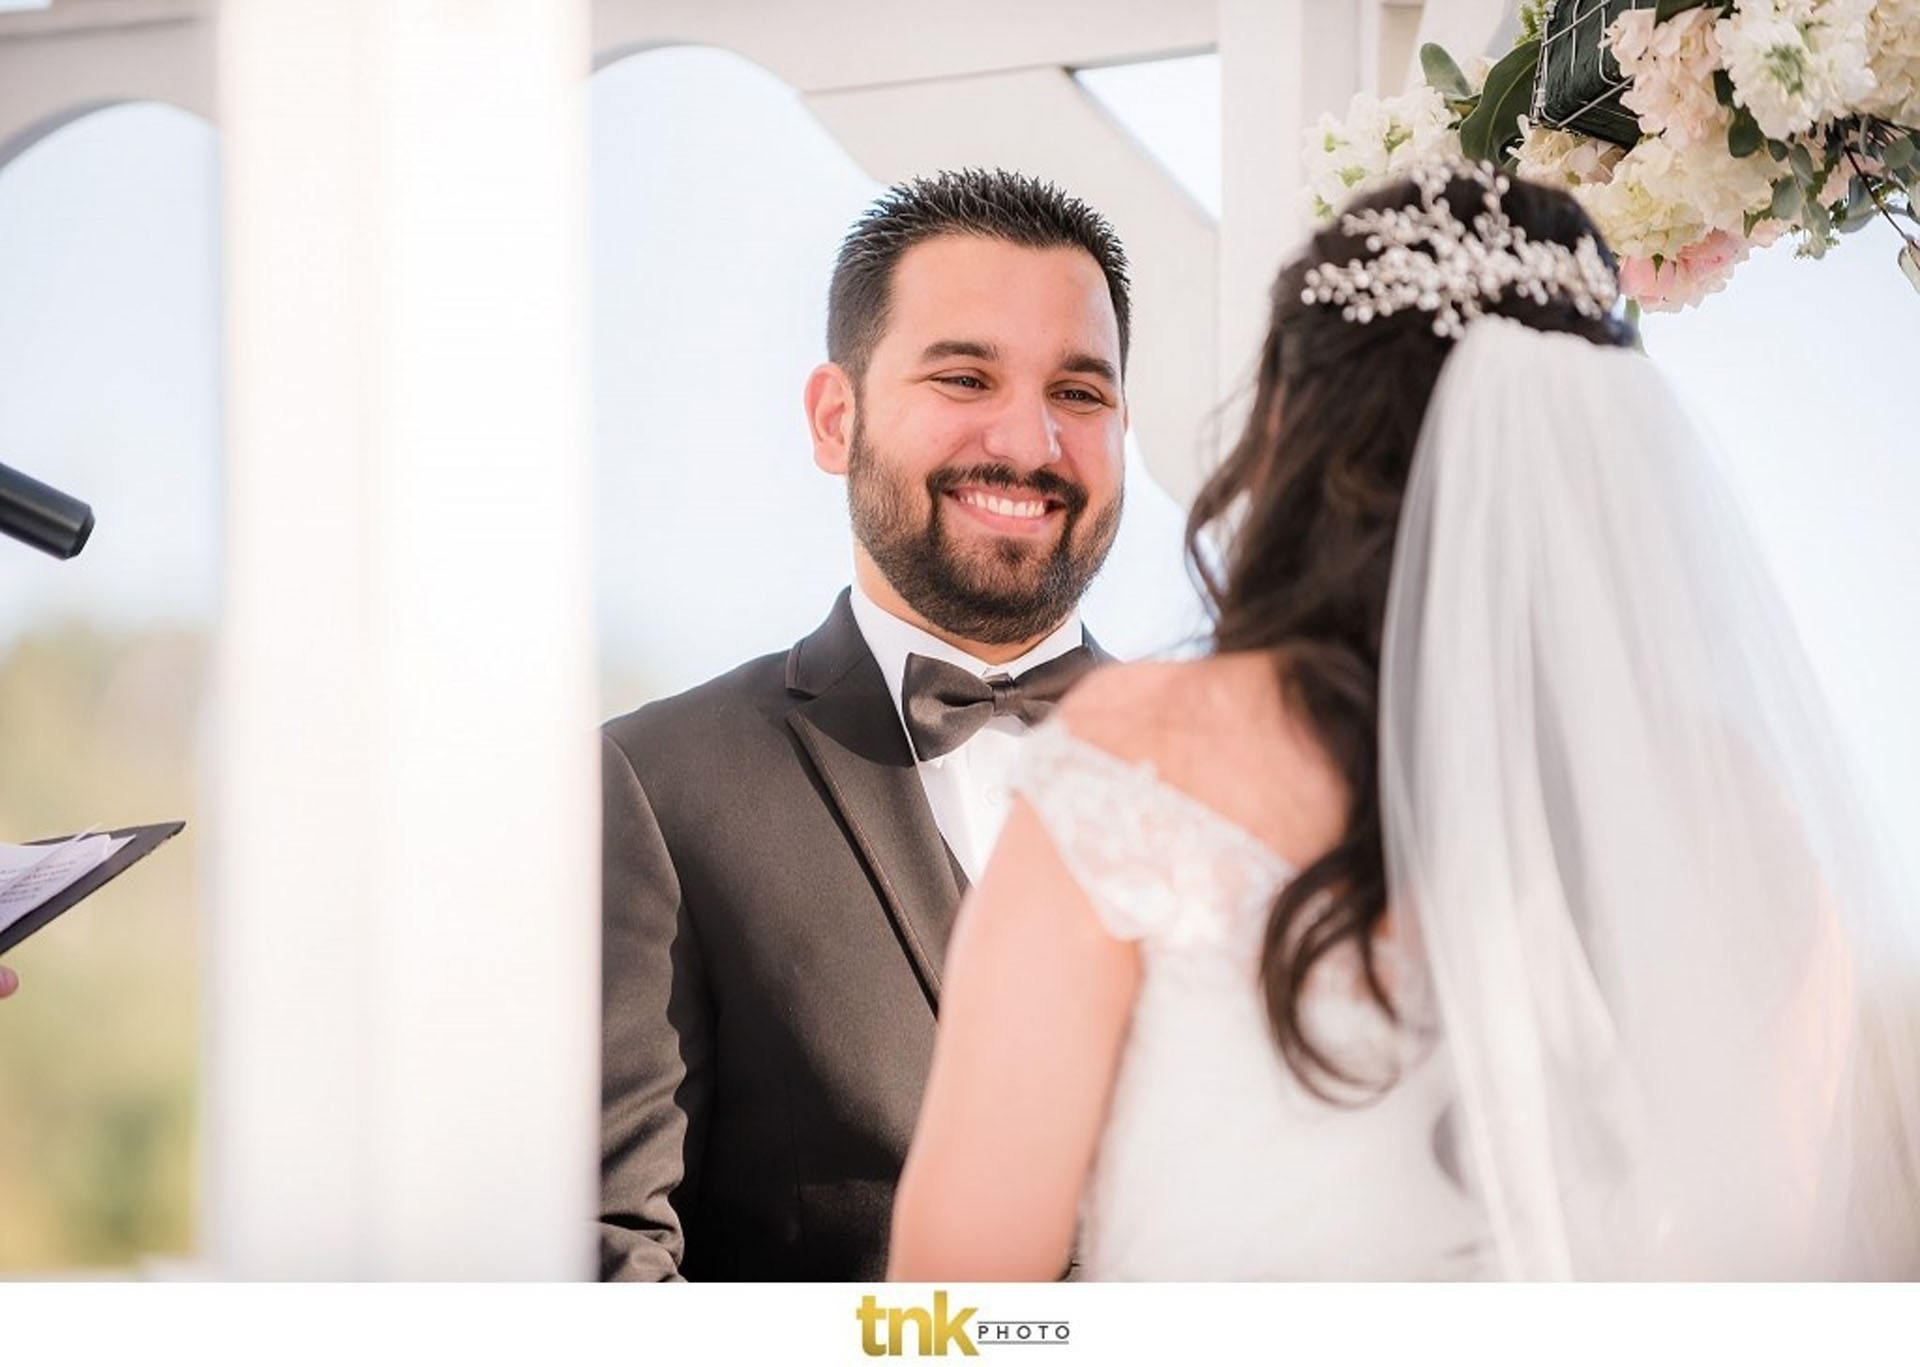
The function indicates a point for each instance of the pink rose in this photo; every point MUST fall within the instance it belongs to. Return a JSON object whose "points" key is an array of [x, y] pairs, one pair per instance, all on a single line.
{"points": [[1697, 270]]}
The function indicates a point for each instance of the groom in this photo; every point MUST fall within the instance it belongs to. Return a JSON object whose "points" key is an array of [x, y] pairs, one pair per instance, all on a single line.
{"points": [[785, 846]]}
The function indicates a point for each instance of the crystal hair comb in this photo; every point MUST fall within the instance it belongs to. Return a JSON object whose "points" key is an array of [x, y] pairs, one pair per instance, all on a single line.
{"points": [[1464, 267]]}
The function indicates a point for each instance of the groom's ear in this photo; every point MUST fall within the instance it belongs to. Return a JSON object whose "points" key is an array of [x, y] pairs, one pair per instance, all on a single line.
{"points": [[830, 413]]}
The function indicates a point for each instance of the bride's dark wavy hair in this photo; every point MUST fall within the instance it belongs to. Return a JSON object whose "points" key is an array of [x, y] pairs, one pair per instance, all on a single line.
{"points": [[1303, 513]]}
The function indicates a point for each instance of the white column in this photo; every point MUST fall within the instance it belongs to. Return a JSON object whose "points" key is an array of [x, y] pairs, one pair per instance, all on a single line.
{"points": [[403, 1006], [1282, 64]]}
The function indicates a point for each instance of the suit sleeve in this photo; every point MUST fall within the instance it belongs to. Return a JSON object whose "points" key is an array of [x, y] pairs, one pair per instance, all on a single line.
{"points": [[656, 1039]]}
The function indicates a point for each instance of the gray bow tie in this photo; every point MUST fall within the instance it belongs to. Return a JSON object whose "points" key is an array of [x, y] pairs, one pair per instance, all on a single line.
{"points": [[945, 705]]}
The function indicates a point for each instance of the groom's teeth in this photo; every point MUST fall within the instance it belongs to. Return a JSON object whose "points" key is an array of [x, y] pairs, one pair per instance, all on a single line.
{"points": [[1006, 507]]}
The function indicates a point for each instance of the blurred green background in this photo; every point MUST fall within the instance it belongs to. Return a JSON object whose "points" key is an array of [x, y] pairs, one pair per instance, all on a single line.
{"points": [[99, 1048]]}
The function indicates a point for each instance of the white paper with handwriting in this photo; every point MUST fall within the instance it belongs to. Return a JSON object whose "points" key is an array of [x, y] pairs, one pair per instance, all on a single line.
{"points": [[30, 874]]}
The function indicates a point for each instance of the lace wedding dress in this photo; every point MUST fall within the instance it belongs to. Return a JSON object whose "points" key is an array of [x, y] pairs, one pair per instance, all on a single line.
{"points": [[1216, 1164]]}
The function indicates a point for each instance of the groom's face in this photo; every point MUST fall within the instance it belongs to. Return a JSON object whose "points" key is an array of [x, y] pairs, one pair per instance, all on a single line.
{"points": [[985, 457]]}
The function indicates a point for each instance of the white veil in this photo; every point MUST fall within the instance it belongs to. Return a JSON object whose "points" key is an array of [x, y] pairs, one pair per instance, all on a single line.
{"points": [[1678, 986]]}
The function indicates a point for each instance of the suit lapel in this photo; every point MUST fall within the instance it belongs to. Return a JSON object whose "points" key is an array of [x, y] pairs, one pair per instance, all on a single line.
{"points": [[847, 725]]}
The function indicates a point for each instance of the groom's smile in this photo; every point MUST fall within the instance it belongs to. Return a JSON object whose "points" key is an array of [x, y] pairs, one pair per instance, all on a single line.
{"points": [[1014, 516], [1001, 502]]}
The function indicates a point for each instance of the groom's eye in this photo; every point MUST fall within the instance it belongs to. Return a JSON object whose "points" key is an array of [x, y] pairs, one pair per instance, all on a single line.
{"points": [[960, 381]]}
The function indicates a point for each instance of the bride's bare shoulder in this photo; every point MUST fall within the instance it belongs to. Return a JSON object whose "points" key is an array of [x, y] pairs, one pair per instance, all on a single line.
{"points": [[1156, 709], [1219, 729], [1131, 703]]}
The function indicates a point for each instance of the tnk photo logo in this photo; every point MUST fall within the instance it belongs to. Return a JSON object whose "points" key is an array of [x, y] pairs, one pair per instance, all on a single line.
{"points": [[922, 1331]]}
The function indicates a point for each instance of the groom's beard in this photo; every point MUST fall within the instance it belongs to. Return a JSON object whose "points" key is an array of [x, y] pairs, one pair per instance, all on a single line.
{"points": [[993, 590]]}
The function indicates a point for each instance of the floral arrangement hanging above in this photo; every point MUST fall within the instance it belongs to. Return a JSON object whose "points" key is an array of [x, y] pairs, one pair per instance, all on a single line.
{"points": [[1692, 131]]}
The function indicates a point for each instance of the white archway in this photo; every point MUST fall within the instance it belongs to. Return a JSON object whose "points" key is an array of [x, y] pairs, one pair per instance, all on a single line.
{"points": [[80, 56]]}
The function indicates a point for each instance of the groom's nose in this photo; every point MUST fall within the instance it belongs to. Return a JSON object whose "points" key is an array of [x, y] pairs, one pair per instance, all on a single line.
{"points": [[1023, 432]]}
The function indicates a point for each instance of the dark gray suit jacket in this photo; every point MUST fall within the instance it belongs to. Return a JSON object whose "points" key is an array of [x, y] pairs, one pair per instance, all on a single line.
{"points": [[777, 901]]}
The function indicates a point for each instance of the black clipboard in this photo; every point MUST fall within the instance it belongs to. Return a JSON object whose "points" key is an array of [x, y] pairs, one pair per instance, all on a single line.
{"points": [[143, 842]]}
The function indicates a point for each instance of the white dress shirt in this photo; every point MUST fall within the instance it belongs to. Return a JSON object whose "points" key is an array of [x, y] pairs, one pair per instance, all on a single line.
{"points": [[967, 786]]}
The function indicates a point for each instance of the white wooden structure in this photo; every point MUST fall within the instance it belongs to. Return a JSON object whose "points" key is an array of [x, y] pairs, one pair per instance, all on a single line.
{"points": [[401, 1070]]}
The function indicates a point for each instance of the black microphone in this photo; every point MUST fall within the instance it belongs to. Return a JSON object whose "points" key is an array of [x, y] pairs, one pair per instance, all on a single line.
{"points": [[43, 517]]}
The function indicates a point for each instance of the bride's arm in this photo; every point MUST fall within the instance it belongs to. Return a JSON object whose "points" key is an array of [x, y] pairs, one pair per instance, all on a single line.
{"points": [[1033, 1011]]}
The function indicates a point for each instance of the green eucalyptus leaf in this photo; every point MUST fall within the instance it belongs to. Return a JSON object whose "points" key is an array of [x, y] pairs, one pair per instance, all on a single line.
{"points": [[1723, 88], [1801, 160], [1743, 135], [1859, 198], [1910, 264], [1819, 225], [1787, 199], [1443, 73], [1900, 153], [1495, 122], [1776, 149]]}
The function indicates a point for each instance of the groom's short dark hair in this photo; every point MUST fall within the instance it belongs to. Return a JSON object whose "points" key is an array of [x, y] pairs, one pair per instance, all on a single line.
{"points": [[1003, 205]]}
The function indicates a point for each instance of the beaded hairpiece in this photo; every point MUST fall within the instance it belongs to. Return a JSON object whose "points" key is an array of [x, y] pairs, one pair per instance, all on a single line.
{"points": [[1465, 266]]}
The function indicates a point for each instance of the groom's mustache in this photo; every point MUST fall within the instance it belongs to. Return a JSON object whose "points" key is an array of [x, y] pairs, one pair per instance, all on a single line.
{"points": [[1043, 483]]}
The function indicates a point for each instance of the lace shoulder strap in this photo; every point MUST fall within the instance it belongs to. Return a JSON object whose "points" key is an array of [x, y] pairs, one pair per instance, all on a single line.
{"points": [[1157, 863]]}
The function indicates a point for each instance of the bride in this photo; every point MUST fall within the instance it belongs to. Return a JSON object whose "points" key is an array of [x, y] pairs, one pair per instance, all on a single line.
{"points": [[1491, 902]]}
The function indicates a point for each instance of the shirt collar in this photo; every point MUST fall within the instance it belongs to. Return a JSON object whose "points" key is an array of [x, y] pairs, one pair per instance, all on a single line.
{"points": [[891, 640]]}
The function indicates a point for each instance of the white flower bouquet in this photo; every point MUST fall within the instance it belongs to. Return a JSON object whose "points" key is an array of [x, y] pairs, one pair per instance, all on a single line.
{"points": [[1692, 130]]}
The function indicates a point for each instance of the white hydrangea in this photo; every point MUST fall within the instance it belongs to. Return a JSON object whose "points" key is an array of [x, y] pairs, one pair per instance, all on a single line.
{"points": [[1671, 67], [1644, 209], [1662, 198], [1564, 159], [1376, 141], [1726, 189], [1893, 44], [1797, 63]]}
